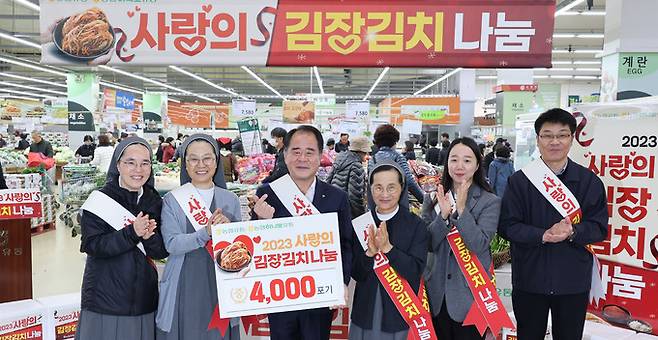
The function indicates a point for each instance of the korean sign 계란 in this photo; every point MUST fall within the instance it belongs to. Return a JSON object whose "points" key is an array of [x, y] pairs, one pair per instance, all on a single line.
{"points": [[622, 152], [20, 203], [348, 33], [284, 264]]}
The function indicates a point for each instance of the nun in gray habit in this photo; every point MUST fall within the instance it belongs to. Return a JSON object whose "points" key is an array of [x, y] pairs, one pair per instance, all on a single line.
{"points": [[120, 283], [188, 292]]}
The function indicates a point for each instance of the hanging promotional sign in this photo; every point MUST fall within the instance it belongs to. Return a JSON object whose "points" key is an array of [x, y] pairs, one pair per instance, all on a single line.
{"points": [[426, 112], [250, 135], [124, 100], [155, 104], [298, 111], [346, 33], [83, 100], [357, 109], [243, 108], [618, 142]]}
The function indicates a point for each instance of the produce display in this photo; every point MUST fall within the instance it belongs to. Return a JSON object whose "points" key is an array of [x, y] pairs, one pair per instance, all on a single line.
{"points": [[11, 158], [78, 181], [63, 154], [253, 169]]}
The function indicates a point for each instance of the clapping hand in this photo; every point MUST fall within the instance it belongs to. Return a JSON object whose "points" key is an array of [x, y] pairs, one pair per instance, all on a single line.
{"points": [[443, 200]]}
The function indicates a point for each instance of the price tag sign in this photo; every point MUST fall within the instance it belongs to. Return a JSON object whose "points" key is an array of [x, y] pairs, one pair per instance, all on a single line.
{"points": [[278, 265], [244, 108], [357, 109]]}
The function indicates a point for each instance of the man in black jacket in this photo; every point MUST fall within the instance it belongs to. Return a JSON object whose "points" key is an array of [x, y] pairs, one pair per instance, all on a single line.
{"points": [[552, 269], [280, 168], [432, 155], [41, 145], [344, 143]]}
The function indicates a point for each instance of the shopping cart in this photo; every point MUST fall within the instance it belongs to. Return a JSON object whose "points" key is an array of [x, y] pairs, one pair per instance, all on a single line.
{"points": [[78, 181]]}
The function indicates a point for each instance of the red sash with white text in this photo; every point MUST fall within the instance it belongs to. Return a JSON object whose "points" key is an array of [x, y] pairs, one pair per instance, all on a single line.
{"points": [[413, 309], [564, 201], [198, 214]]}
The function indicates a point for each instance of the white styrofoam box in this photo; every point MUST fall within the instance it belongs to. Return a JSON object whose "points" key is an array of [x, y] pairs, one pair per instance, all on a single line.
{"points": [[62, 313], [504, 285], [22, 319], [598, 331]]}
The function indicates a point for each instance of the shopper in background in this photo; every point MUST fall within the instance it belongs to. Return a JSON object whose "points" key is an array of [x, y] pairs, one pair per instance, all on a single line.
{"points": [[120, 283], [158, 154], [87, 148], [432, 155], [482, 148], [178, 151], [475, 215], [349, 175], [500, 170], [445, 137], [409, 152], [329, 154], [189, 291], [343, 143], [491, 155], [22, 144], [168, 150], [3, 184], [331, 145], [41, 145], [3, 142], [228, 160], [303, 150], [268, 148], [443, 154], [236, 146], [103, 153], [551, 264], [403, 237], [178, 142], [386, 136], [280, 169]]}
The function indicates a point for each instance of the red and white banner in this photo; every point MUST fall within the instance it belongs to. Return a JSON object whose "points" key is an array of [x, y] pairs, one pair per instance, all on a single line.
{"points": [[417, 33], [20, 203], [618, 142]]}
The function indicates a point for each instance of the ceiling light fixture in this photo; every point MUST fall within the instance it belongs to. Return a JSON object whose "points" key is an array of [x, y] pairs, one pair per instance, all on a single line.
{"points": [[567, 7], [487, 77], [20, 97], [52, 83], [590, 35], [540, 77], [318, 79], [587, 62], [9, 84], [27, 93], [119, 87], [28, 4], [205, 81], [561, 62], [561, 77], [381, 76], [32, 66], [564, 35], [155, 82], [255, 76], [19, 40], [585, 77], [446, 76], [589, 13]]}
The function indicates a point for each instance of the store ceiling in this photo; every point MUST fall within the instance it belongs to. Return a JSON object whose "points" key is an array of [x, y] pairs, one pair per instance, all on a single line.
{"points": [[20, 21]]}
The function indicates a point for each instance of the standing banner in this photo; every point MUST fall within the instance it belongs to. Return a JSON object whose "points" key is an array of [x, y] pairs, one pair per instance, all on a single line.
{"points": [[618, 142], [279, 265], [250, 135], [298, 111], [83, 100], [349, 33], [154, 106]]}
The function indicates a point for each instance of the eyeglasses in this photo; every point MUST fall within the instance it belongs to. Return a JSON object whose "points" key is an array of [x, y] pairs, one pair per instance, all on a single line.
{"points": [[300, 153], [561, 137], [132, 164], [391, 189], [206, 161]]}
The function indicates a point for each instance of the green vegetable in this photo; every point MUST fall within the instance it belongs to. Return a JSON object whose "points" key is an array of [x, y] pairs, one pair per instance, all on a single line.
{"points": [[499, 244]]}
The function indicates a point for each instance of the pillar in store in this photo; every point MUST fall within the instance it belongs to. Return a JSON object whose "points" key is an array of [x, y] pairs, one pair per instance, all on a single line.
{"points": [[466, 79], [630, 50], [511, 103], [82, 90], [155, 107]]}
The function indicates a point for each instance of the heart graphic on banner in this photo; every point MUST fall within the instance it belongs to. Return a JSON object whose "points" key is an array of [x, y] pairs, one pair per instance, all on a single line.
{"points": [[130, 14], [619, 174], [206, 8], [633, 214], [344, 45], [257, 239], [186, 45], [137, 8]]}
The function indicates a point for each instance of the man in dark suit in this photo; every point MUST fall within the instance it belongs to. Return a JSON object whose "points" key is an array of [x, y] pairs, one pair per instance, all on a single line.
{"points": [[302, 152]]}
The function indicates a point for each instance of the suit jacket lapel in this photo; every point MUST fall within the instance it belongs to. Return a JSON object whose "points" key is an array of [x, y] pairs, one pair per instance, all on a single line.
{"points": [[474, 192], [319, 194]]}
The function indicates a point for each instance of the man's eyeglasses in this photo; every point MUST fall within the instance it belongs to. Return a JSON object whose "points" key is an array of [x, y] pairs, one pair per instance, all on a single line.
{"points": [[563, 137]]}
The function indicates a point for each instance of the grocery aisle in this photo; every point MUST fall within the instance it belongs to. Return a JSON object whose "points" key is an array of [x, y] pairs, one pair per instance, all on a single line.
{"points": [[57, 264]]}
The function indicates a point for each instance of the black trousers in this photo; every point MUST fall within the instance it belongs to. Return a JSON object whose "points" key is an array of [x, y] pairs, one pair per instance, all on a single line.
{"points": [[448, 329], [567, 315], [311, 324]]}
